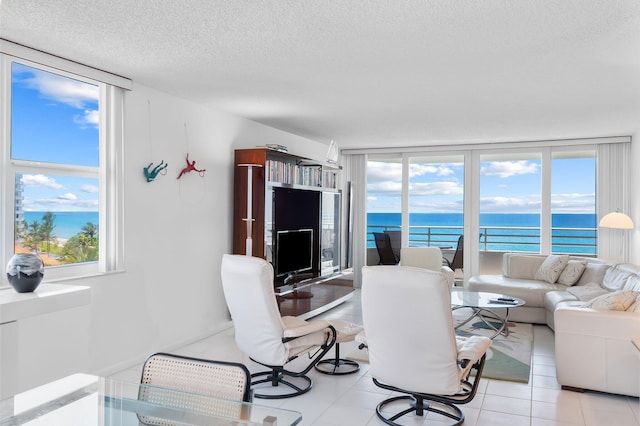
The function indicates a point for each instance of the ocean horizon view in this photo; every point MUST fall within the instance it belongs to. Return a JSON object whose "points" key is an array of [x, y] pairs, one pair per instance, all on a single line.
{"points": [[67, 224], [571, 233]]}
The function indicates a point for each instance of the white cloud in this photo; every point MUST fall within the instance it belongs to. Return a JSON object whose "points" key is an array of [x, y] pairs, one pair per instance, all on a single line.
{"points": [[40, 180], [61, 89], [505, 169], [510, 204], [573, 203], [426, 169], [90, 117], [61, 204], [92, 189], [68, 196], [387, 187], [435, 188], [383, 172]]}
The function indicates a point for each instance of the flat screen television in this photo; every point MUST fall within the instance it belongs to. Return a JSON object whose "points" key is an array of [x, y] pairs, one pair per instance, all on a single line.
{"points": [[294, 251]]}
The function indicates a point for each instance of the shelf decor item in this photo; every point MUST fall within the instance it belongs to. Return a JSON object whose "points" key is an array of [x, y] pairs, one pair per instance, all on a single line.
{"points": [[25, 272]]}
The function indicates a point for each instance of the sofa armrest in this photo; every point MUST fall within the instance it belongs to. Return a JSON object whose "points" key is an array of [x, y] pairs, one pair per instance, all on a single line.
{"points": [[594, 350], [592, 322]]}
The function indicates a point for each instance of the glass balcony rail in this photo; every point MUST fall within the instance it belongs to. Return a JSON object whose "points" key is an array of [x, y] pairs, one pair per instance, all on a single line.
{"points": [[580, 241]]}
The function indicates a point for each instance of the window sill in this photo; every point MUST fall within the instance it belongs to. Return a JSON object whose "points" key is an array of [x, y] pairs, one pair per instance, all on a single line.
{"points": [[46, 299]]}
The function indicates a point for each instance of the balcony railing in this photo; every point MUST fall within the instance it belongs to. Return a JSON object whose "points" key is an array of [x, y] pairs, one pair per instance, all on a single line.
{"points": [[583, 241]]}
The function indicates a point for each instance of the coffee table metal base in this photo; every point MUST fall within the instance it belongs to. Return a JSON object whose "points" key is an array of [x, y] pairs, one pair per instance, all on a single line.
{"points": [[485, 314]]}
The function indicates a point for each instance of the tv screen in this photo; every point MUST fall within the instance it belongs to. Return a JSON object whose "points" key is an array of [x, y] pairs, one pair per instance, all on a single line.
{"points": [[294, 250]]}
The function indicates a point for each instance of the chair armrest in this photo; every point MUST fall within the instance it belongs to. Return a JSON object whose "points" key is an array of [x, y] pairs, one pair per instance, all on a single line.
{"points": [[307, 327], [448, 272], [472, 348]]}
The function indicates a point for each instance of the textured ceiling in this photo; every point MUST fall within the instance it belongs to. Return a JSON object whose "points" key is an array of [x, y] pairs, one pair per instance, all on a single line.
{"points": [[366, 73]]}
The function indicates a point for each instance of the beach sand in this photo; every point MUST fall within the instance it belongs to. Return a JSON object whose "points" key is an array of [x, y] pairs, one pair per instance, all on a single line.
{"points": [[48, 261]]}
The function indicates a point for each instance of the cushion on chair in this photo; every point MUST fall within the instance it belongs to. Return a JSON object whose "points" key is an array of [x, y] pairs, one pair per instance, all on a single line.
{"points": [[471, 348], [310, 334]]}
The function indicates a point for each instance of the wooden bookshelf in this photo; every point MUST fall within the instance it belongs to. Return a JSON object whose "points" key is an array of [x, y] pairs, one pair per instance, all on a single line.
{"points": [[289, 192]]}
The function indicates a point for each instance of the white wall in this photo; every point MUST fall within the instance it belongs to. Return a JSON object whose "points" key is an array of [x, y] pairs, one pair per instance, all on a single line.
{"points": [[175, 234]]}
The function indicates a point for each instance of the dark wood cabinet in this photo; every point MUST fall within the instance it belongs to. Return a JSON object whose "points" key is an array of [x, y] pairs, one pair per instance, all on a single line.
{"points": [[294, 223]]}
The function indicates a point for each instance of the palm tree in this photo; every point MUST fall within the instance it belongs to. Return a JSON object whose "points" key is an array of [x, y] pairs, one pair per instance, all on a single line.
{"points": [[90, 229], [46, 229], [33, 235]]}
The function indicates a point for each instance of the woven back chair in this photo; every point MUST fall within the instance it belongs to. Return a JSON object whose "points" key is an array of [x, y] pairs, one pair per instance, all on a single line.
{"points": [[226, 382]]}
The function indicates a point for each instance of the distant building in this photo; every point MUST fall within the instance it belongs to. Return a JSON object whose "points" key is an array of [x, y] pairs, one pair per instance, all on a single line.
{"points": [[19, 216]]}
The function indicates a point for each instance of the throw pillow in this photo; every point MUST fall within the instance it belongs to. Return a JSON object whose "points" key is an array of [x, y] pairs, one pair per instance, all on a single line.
{"points": [[551, 268], [614, 301], [616, 278], [633, 283], [572, 272], [635, 307]]}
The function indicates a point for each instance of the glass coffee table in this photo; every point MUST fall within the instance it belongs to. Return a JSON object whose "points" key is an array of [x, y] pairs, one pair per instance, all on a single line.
{"points": [[482, 306]]}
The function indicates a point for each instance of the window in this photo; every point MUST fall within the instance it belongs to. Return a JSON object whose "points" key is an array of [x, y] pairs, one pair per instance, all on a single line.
{"points": [[573, 202], [384, 198], [510, 201], [60, 151], [436, 195]]}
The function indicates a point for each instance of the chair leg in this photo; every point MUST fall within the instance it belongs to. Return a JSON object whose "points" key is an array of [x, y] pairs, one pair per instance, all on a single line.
{"points": [[277, 377], [418, 405], [337, 366]]}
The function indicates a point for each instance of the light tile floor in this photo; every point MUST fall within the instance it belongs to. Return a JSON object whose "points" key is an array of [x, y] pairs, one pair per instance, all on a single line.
{"points": [[351, 400]]}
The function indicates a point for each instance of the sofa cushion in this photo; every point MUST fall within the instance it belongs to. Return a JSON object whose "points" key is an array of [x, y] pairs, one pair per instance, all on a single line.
{"points": [[633, 283], [587, 292], [551, 268], [572, 272], [532, 292], [615, 278], [521, 266], [593, 273], [613, 301], [553, 298]]}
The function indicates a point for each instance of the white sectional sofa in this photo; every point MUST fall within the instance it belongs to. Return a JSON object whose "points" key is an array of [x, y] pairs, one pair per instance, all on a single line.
{"points": [[593, 346]]}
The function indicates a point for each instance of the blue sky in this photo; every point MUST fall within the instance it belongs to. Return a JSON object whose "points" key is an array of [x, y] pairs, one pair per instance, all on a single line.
{"points": [[506, 186], [55, 120]]}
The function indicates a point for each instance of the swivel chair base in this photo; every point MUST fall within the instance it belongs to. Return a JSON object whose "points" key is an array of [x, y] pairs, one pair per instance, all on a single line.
{"points": [[418, 406], [337, 366], [281, 379]]}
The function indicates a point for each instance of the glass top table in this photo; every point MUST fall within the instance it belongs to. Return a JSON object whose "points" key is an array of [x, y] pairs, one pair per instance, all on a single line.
{"points": [[88, 400], [482, 306]]}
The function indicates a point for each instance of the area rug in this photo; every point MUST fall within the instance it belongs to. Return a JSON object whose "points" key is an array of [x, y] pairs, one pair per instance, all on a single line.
{"points": [[508, 358]]}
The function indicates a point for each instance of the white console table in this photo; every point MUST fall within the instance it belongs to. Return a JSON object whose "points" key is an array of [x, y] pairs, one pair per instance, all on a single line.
{"points": [[18, 307]]}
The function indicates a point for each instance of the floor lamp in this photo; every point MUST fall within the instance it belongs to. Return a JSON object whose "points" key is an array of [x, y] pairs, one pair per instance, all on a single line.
{"points": [[617, 220]]}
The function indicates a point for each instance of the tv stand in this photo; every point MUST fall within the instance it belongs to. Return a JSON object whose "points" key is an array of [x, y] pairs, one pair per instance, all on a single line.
{"points": [[295, 293]]}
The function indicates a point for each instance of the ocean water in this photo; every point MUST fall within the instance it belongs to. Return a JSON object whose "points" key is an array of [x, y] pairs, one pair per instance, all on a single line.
{"points": [[67, 224], [571, 233]]}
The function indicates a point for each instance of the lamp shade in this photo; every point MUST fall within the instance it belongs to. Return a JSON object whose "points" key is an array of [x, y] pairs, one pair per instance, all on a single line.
{"points": [[616, 220]]}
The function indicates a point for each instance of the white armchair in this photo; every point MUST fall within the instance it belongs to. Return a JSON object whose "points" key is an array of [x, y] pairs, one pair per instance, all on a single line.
{"points": [[428, 258], [412, 346], [265, 336]]}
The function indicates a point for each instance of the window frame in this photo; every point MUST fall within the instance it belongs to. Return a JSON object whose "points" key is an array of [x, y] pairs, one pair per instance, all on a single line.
{"points": [[108, 172]]}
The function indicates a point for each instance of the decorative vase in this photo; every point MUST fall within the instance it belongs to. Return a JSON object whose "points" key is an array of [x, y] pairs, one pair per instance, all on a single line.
{"points": [[25, 272]]}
